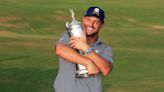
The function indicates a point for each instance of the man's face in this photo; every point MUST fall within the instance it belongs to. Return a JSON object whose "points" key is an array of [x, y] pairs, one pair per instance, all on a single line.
{"points": [[91, 25]]}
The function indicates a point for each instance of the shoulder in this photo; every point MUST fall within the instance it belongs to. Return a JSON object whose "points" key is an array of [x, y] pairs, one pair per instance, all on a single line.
{"points": [[64, 38]]}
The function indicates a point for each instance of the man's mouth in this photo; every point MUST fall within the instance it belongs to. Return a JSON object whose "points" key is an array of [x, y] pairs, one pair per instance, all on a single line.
{"points": [[89, 28]]}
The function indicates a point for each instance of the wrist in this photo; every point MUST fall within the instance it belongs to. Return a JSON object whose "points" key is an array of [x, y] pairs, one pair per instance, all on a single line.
{"points": [[89, 50]]}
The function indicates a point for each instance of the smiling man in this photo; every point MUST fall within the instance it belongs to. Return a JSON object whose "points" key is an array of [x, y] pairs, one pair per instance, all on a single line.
{"points": [[97, 58]]}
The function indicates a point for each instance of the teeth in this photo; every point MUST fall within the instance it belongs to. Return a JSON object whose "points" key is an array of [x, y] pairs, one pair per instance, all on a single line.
{"points": [[90, 28]]}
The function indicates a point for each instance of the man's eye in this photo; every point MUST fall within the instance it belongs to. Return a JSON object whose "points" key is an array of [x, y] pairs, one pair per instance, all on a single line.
{"points": [[97, 22]]}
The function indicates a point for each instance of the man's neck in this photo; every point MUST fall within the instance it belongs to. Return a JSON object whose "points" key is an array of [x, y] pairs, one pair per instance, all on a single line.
{"points": [[92, 39]]}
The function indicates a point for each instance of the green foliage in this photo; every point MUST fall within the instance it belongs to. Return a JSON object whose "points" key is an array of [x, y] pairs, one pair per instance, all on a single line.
{"points": [[29, 30]]}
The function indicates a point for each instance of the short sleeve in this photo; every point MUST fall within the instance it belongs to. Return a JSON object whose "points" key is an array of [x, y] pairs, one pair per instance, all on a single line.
{"points": [[65, 39], [107, 53]]}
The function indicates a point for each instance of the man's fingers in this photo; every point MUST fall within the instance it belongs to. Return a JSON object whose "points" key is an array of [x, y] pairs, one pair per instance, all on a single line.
{"points": [[93, 73], [72, 45], [75, 38], [73, 41]]}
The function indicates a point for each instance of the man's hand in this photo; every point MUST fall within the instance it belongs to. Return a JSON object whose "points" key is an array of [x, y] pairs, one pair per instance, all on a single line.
{"points": [[79, 43], [92, 68]]}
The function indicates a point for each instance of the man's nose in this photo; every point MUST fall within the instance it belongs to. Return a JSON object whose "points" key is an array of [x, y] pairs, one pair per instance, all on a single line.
{"points": [[90, 24]]}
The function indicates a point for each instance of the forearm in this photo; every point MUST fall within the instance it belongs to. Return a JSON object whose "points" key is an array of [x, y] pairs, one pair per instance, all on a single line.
{"points": [[104, 65], [70, 55]]}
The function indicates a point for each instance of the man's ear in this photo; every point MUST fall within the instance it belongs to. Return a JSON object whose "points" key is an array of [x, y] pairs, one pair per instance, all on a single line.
{"points": [[102, 24]]}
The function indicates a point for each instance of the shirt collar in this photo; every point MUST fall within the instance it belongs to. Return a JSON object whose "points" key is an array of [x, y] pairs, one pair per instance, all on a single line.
{"points": [[96, 43]]}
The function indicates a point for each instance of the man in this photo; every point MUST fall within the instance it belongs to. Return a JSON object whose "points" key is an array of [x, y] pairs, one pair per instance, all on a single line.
{"points": [[98, 58]]}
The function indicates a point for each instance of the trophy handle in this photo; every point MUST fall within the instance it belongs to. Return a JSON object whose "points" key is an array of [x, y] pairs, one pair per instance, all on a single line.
{"points": [[67, 25], [68, 28]]}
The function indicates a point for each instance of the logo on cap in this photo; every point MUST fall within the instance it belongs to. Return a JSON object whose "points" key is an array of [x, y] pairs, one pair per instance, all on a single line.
{"points": [[96, 11]]}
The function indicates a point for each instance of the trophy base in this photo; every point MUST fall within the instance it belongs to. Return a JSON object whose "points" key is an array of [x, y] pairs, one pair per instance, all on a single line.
{"points": [[85, 75], [82, 74]]}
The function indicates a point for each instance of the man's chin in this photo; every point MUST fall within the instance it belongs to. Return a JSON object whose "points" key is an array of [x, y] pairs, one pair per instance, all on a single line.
{"points": [[90, 35]]}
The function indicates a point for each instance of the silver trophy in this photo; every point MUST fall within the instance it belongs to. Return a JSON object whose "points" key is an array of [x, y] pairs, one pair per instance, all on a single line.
{"points": [[75, 29]]}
